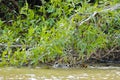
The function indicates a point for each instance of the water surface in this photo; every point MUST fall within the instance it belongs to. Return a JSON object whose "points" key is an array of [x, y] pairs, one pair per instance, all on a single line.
{"points": [[101, 73]]}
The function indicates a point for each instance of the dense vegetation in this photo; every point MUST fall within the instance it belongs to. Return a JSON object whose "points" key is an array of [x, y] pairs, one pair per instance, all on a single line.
{"points": [[58, 30]]}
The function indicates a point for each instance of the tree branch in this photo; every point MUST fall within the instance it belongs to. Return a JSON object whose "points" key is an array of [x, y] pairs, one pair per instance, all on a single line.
{"points": [[115, 7]]}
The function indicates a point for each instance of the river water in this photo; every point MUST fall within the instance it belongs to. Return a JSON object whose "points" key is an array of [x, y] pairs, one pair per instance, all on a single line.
{"points": [[99, 73]]}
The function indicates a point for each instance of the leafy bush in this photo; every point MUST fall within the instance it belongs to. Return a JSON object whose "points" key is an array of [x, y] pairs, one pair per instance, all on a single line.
{"points": [[52, 30]]}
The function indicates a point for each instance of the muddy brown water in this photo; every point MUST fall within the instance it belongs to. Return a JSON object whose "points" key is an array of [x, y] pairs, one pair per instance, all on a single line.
{"points": [[92, 73]]}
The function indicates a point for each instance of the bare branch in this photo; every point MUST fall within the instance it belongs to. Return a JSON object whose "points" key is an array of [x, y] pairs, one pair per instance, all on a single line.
{"points": [[80, 23], [116, 7], [16, 45]]}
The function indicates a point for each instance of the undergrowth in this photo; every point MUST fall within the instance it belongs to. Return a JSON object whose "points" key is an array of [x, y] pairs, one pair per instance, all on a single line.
{"points": [[51, 32]]}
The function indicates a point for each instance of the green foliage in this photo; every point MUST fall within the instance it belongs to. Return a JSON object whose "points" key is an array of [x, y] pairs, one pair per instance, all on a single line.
{"points": [[48, 31]]}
